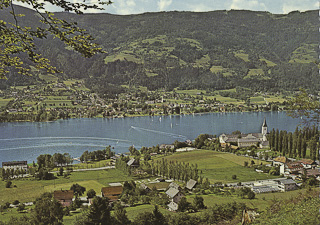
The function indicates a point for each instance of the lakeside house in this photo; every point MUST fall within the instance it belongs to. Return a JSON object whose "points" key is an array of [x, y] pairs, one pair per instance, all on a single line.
{"points": [[247, 140], [16, 165], [64, 197]]}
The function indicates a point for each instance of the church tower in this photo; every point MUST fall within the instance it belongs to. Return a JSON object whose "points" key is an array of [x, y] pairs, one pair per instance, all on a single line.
{"points": [[264, 130]]}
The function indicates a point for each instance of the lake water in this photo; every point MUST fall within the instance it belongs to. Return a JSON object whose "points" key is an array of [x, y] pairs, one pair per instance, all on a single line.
{"points": [[27, 140]]}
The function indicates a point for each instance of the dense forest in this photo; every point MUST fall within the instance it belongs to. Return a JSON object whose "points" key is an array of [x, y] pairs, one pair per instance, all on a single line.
{"points": [[209, 50]]}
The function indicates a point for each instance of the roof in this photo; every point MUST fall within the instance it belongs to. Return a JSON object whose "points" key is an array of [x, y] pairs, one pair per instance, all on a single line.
{"points": [[173, 206], [172, 192], [144, 186], [294, 165], [264, 123], [14, 163], [191, 183], [132, 162], [287, 181], [174, 185], [63, 195], [306, 161], [281, 159], [111, 191], [263, 189], [313, 172]]}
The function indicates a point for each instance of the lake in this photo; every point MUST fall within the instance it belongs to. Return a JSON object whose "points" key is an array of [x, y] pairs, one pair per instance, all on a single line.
{"points": [[27, 140]]}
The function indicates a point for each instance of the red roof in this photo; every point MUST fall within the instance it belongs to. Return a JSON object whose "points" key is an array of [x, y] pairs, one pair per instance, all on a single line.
{"points": [[306, 161]]}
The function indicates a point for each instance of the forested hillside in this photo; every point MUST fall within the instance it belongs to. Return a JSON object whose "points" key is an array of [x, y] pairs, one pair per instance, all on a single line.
{"points": [[212, 50]]}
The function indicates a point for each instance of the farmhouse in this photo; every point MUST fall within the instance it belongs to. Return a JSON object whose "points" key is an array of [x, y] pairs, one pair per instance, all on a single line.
{"points": [[191, 184], [16, 165], [64, 197], [246, 140], [175, 196], [112, 193]]}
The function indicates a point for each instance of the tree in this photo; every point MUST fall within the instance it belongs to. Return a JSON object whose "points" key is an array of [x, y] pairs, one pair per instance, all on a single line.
{"points": [[183, 205], [120, 215], [8, 184], [100, 211], [20, 40], [60, 171], [78, 190], [305, 106], [198, 203], [21, 207], [47, 211], [91, 193]]}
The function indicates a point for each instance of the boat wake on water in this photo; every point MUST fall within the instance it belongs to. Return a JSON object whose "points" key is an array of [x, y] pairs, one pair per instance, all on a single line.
{"points": [[160, 132]]}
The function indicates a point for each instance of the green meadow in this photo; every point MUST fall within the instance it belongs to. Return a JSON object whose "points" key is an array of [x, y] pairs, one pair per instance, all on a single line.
{"points": [[28, 189], [220, 166]]}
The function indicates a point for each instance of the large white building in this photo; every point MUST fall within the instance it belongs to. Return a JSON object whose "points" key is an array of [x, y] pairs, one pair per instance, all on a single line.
{"points": [[15, 165], [246, 140]]}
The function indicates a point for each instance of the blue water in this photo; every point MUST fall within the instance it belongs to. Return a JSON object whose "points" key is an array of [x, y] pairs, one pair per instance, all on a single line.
{"points": [[27, 140]]}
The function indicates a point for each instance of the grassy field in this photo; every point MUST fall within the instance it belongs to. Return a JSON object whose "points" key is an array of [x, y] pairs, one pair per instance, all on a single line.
{"points": [[29, 189], [257, 100], [4, 101], [269, 63], [242, 55], [48, 78], [219, 166], [304, 54], [261, 201]]}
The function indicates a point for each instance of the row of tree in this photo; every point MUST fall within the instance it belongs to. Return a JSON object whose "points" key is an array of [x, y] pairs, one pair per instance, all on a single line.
{"points": [[175, 170], [51, 161], [295, 144]]}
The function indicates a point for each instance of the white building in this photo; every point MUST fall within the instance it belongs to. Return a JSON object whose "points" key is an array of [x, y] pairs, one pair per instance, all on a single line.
{"points": [[247, 140], [16, 165]]}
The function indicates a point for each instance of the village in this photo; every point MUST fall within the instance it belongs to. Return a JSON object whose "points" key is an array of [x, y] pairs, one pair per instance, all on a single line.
{"points": [[152, 182], [71, 99]]}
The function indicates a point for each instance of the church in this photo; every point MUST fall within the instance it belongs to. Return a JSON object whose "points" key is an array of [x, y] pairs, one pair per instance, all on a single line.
{"points": [[247, 140]]}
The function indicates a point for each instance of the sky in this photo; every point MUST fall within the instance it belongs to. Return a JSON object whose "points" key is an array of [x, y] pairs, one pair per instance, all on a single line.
{"points": [[126, 7]]}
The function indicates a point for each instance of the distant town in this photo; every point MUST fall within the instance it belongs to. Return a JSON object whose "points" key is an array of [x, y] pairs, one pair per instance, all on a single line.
{"points": [[71, 99]]}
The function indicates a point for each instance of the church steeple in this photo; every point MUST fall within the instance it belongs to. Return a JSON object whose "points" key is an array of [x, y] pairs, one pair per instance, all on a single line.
{"points": [[264, 123], [264, 130]]}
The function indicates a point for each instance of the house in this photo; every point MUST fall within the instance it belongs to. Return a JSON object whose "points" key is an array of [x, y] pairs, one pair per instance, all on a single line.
{"points": [[175, 196], [247, 140], [263, 189], [307, 163], [290, 168], [174, 185], [64, 197], [172, 206], [112, 193], [313, 172], [280, 160], [191, 184], [287, 185], [133, 163], [16, 165], [145, 188]]}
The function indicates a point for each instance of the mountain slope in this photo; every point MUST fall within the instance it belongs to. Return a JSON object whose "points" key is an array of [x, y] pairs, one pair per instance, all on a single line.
{"points": [[212, 50]]}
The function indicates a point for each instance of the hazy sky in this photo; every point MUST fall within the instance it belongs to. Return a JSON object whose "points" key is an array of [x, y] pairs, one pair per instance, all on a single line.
{"points": [[125, 7]]}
